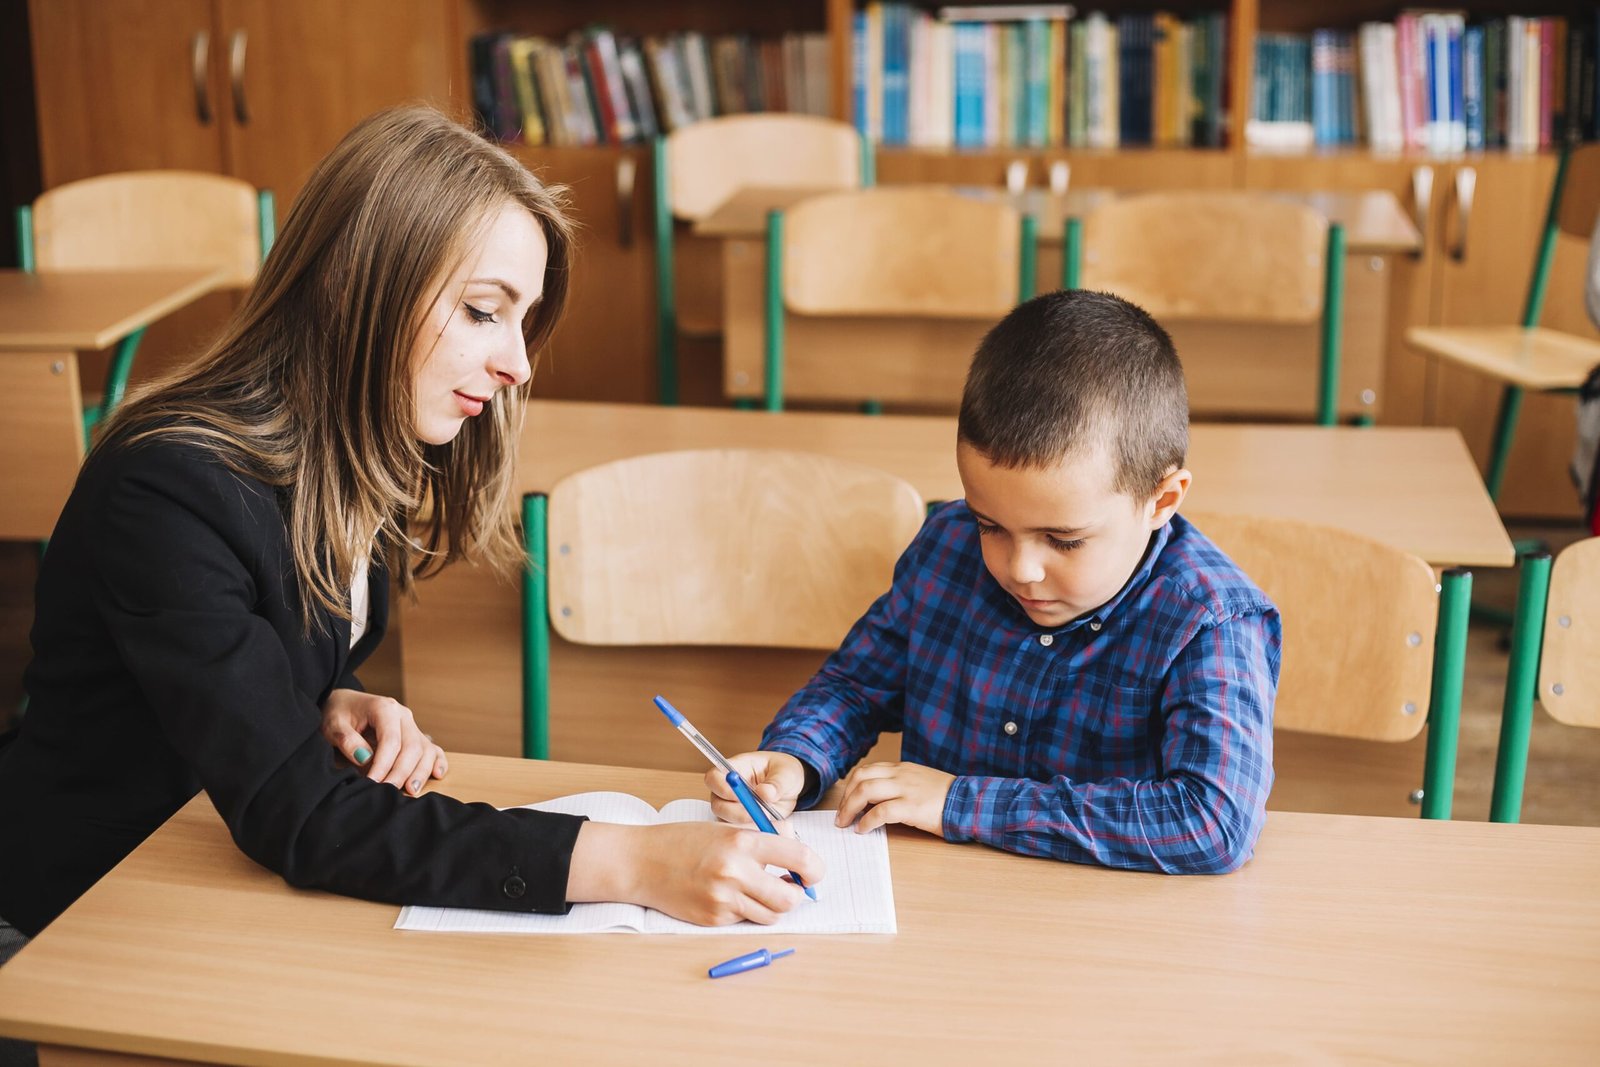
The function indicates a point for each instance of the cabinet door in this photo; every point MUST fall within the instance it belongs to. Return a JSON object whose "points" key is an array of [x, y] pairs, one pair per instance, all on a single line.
{"points": [[125, 85], [1406, 395], [299, 73], [1485, 262], [605, 347]]}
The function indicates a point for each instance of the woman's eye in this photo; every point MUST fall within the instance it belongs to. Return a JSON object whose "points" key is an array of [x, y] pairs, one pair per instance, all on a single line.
{"points": [[478, 314]]}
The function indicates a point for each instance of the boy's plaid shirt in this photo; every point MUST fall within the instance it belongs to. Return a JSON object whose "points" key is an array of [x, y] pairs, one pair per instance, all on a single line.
{"points": [[1138, 736]]}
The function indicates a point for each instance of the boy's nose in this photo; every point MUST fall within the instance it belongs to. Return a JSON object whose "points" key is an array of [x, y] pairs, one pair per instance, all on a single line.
{"points": [[1026, 568]]}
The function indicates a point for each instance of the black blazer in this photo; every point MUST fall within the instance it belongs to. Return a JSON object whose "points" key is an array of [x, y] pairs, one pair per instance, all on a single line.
{"points": [[169, 657]]}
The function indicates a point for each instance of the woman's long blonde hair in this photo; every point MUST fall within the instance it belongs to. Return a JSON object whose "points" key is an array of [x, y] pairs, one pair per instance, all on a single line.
{"points": [[310, 386]]}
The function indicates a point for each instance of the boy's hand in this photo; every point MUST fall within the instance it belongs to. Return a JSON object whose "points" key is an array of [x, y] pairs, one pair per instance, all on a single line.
{"points": [[776, 777], [884, 793]]}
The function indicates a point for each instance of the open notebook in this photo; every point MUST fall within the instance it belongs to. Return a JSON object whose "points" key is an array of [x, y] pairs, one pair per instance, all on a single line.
{"points": [[855, 898]]}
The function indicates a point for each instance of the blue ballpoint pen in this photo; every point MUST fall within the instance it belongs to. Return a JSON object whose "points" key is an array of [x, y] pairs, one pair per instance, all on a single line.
{"points": [[755, 804], [759, 817]]}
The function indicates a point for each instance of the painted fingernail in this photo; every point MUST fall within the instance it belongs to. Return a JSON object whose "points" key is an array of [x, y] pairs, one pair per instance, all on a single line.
{"points": [[416, 785], [363, 754]]}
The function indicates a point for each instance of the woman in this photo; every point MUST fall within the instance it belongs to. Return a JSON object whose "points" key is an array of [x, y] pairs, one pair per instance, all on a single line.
{"points": [[220, 569]]}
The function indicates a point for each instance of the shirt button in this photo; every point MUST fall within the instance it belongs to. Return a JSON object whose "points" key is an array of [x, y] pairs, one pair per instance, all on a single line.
{"points": [[1047, 640], [514, 887], [1094, 624], [1011, 729]]}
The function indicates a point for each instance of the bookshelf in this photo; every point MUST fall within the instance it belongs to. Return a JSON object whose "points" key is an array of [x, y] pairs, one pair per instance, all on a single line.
{"points": [[603, 349]]}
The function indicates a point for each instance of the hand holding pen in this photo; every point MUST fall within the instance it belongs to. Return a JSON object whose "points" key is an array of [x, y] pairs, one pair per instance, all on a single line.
{"points": [[728, 783]]}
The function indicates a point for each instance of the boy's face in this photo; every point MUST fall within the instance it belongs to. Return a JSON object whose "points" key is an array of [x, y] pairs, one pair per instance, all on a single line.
{"points": [[1059, 539]]}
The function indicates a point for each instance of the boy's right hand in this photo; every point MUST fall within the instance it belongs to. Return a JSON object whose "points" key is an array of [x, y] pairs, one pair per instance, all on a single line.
{"points": [[776, 777]]}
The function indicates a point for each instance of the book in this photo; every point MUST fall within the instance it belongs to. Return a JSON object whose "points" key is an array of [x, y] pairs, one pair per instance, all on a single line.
{"points": [[857, 896]]}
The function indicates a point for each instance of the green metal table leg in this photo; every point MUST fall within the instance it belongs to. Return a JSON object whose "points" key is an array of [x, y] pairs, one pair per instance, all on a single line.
{"points": [[1072, 254], [536, 629], [1332, 327], [25, 238], [666, 284], [1444, 711], [1522, 683], [1028, 260], [774, 316]]}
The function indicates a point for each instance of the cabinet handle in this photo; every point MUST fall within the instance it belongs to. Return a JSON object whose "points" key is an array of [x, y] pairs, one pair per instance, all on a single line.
{"points": [[627, 173], [1421, 202], [236, 47], [1466, 188], [1017, 177], [199, 51]]}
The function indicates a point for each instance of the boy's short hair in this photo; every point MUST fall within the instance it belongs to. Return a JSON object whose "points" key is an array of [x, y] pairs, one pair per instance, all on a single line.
{"points": [[1073, 370]]}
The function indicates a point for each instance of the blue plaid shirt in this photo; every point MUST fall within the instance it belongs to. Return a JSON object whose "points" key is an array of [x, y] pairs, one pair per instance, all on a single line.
{"points": [[1137, 736]]}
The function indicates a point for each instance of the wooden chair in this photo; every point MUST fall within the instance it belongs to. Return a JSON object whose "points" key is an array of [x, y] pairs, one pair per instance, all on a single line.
{"points": [[699, 166], [735, 547], [1218, 257], [154, 218], [1530, 357], [906, 252], [1555, 658], [1373, 648]]}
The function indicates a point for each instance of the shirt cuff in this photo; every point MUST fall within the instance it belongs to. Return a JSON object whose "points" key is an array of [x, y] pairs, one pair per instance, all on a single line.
{"points": [[975, 805]]}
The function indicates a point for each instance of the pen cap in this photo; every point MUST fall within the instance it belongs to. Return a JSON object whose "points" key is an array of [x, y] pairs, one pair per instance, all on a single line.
{"points": [[748, 962]]}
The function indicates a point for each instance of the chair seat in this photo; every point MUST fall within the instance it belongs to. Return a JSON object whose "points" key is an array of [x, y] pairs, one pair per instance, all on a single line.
{"points": [[1533, 358]]}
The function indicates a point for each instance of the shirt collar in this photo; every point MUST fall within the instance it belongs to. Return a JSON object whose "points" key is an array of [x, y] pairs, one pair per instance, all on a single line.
{"points": [[1141, 574]]}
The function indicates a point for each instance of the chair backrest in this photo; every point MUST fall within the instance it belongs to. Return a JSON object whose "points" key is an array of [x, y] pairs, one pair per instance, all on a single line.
{"points": [[1580, 194], [902, 251], [727, 547], [1569, 667], [158, 218], [1359, 619], [1209, 256], [709, 161]]}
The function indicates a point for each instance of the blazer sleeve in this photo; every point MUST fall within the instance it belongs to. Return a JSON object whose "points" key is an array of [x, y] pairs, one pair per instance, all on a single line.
{"points": [[178, 579]]}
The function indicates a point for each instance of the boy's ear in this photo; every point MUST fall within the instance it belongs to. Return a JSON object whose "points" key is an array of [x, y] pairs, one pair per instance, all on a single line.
{"points": [[1168, 496]]}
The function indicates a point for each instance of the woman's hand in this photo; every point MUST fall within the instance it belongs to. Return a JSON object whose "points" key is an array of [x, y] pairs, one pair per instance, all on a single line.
{"points": [[710, 874], [380, 734]]}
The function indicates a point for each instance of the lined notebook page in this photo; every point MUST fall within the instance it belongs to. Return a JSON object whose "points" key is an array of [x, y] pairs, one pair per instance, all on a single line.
{"points": [[857, 897]]}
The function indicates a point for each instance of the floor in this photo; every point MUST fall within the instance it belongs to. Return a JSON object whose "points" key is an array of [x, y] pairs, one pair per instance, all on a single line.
{"points": [[1563, 780]]}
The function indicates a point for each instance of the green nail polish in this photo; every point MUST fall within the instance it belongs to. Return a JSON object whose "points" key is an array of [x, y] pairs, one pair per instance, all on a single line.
{"points": [[363, 754]]}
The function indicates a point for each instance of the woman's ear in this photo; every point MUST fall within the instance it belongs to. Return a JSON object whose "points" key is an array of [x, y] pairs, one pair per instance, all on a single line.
{"points": [[1168, 496]]}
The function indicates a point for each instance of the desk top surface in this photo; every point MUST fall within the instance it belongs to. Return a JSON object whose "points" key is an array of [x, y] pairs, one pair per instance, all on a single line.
{"points": [[1373, 219], [1416, 488], [1345, 938], [90, 310]]}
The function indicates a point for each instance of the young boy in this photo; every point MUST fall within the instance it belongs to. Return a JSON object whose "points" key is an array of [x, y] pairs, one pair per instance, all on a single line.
{"points": [[1076, 670]]}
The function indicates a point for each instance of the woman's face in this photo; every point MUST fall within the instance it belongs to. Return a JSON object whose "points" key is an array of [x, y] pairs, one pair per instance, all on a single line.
{"points": [[471, 343]]}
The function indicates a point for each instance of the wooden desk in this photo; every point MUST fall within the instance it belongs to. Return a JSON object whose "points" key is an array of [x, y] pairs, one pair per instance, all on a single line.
{"points": [[1414, 488], [1346, 939], [45, 319], [1260, 370]]}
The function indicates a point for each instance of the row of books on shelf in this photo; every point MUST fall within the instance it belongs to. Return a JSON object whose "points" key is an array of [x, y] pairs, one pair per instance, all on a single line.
{"points": [[1034, 75], [599, 87], [1430, 81]]}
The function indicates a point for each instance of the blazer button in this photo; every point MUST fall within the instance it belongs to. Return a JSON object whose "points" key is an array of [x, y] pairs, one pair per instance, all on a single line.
{"points": [[514, 887]]}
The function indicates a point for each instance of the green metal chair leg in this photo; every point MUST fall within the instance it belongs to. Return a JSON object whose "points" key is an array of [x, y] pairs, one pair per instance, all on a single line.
{"points": [[536, 629], [775, 316], [869, 164], [1332, 327], [1028, 260], [1444, 711], [872, 407], [25, 238], [1505, 429], [1522, 684], [266, 220], [1072, 254], [666, 285]]}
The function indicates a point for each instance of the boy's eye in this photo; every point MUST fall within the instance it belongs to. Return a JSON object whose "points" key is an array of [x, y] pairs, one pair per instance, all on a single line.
{"points": [[986, 528], [478, 314], [1064, 546]]}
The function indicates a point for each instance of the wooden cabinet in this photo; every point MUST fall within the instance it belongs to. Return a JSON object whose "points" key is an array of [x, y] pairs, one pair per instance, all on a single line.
{"points": [[259, 89]]}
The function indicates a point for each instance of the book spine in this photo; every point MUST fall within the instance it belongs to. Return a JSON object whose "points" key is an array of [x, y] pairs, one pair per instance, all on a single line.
{"points": [[1473, 85]]}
